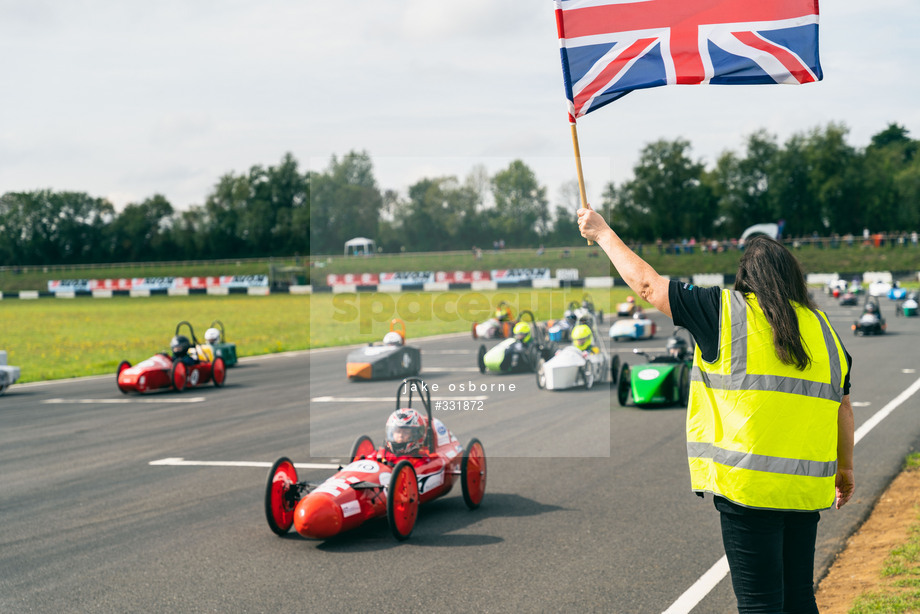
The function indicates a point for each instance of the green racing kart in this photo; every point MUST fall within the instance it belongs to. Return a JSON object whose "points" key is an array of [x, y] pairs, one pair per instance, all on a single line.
{"points": [[661, 381]]}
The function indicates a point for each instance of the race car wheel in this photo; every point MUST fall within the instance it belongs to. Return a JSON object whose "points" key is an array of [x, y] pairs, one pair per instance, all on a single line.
{"points": [[124, 364], [362, 447], [541, 374], [614, 370], [177, 376], [219, 371], [279, 500], [402, 500], [683, 383], [481, 359], [473, 474], [587, 373], [624, 387]]}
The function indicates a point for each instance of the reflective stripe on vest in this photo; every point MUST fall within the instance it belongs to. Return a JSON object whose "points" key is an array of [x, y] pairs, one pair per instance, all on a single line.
{"points": [[725, 455]]}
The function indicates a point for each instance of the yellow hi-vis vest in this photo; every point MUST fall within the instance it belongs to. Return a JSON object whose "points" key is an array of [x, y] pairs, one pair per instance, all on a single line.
{"points": [[759, 432]]}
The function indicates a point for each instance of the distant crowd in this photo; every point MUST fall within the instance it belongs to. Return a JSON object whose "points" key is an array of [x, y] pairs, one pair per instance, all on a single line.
{"points": [[891, 239]]}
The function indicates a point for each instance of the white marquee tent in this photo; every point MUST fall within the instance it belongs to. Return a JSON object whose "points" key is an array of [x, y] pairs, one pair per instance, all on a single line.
{"points": [[360, 246]]}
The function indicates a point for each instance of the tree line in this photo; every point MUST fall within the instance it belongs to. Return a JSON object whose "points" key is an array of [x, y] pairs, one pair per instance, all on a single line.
{"points": [[815, 182]]}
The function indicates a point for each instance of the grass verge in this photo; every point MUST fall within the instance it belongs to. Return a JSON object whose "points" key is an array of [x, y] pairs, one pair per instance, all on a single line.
{"points": [[63, 338], [900, 587]]}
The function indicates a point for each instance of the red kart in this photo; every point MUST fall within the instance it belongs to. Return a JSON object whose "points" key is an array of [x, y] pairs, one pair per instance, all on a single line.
{"points": [[376, 482], [162, 371]]}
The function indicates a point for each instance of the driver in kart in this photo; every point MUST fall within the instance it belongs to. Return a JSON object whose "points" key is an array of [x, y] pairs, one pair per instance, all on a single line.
{"points": [[393, 338], [583, 339], [503, 313], [406, 433], [677, 348], [522, 333], [180, 346]]}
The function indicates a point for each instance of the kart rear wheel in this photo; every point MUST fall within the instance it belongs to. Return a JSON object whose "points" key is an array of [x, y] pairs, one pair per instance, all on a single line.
{"points": [[541, 374], [279, 502], [177, 376], [363, 446], [219, 371], [683, 383], [124, 364], [624, 387], [402, 500], [473, 473], [614, 370], [481, 359]]}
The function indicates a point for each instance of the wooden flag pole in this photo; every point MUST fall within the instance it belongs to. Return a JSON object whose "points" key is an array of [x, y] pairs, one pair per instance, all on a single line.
{"points": [[581, 177]]}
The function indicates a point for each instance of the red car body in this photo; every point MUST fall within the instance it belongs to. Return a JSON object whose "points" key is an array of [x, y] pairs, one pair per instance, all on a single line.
{"points": [[376, 484], [160, 372]]}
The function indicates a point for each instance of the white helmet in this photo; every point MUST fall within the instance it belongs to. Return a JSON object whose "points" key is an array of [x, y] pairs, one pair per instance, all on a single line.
{"points": [[212, 335], [392, 338]]}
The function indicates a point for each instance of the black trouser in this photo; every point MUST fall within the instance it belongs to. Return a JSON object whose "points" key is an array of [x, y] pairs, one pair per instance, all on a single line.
{"points": [[771, 555]]}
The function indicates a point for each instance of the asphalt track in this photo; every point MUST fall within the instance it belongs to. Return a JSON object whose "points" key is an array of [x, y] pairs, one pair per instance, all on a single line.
{"points": [[587, 507]]}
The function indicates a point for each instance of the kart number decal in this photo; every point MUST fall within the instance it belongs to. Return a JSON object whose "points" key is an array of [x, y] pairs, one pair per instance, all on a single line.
{"points": [[648, 374], [333, 486], [363, 466], [350, 508], [430, 482], [193, 377], [406, 361]]}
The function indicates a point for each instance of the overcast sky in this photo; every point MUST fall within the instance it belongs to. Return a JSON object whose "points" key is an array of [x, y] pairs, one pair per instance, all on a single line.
{"points": [[124, 99]]}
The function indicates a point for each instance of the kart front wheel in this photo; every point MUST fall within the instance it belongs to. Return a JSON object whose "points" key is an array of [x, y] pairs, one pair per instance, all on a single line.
{"points": [[481, 359], [402, 500], [280, 499], [587, 374], [614, 370], [541, 374], [624, 387], [473, 474], [177, 376], [124, 364], [363, 446], [683, 383], [219, 371]]}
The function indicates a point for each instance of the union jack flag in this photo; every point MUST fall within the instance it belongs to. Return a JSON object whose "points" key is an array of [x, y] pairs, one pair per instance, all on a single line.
{"points": [[611, 47]]}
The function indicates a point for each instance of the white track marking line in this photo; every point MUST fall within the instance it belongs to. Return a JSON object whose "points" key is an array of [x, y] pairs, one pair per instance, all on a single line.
{"points": [[708, 581], [451, 370], [181, 462], [389, 399], [125, 400]]}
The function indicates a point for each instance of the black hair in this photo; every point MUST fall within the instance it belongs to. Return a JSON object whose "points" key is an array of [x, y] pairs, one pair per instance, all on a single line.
{"points": [[769, 271]]}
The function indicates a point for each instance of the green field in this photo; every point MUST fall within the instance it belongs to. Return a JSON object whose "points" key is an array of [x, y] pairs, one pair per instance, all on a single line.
{"points": [[590, 261], [62, 338]]}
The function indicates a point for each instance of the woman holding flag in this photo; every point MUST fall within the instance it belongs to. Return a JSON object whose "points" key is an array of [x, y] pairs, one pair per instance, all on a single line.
{"points": [[769, 422]]}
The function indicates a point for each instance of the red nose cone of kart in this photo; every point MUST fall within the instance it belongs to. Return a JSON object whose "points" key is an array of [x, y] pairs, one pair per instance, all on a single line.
{"points": [[318, 516]]}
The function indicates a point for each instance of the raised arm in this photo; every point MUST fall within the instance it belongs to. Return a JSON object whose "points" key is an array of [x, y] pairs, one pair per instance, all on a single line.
{"points": [[636, 272]]}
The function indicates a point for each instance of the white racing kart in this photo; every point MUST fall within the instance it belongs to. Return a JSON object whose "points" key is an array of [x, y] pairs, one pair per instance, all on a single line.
{"points": [[573, 368], [632, 328], [8, 374]]}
